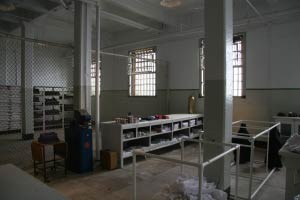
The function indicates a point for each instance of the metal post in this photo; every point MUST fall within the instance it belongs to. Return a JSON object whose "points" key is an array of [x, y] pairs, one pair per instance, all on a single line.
{"points": [[182, 155], [267, 157], [97, 120], [200, 153], [251, 168], [200, 181], [134, 174], [237, 164]]}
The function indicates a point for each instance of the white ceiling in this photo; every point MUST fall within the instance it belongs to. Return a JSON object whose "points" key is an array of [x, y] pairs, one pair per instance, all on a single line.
{"points": [[119, 16]]}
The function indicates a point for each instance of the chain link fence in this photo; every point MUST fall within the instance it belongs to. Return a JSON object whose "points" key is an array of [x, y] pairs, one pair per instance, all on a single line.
{"points": [[47, 79], [10, 85]]}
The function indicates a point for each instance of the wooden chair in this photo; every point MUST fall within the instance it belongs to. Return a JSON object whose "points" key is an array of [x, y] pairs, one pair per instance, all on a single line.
{"points": [[60, 155], [40, 163]]}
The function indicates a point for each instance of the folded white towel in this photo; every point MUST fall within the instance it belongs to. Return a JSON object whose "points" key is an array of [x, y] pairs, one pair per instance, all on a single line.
{"points": [[293, 144]]}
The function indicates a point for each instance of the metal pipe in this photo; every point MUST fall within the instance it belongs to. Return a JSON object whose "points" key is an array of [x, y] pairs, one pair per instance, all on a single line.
{"points": [[134, 174], [182, 155], [200, 173], [267, 156], [252, 127], [264, 122], [128, 56], [210, 142], [255, 10], [166, 158], [267, 130], [241, 134], [23, 38], [264, 181], [199, 166], [242, 137], [247, 176], [219, 156], [244, 145], [200, 153], [97, 117], [237, 172], [236, 122], [251, 169]]}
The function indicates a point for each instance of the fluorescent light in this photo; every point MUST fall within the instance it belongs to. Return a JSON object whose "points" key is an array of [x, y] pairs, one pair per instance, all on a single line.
{"points": [[170, 3]]}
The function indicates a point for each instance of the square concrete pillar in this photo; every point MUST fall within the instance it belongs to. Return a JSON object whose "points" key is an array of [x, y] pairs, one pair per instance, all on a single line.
{"points": [[218, 86], [82, 55], [27, 54]]}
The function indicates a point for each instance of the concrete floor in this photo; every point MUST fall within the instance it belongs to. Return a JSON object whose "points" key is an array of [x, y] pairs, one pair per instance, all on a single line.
{"points": [[153, 175]]}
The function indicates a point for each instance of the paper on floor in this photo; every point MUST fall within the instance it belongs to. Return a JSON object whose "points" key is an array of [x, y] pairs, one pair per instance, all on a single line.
{"points": [[187, 189]]}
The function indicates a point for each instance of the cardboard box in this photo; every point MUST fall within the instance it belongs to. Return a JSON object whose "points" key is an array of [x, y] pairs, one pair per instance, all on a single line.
{"points": [[108, 159]]}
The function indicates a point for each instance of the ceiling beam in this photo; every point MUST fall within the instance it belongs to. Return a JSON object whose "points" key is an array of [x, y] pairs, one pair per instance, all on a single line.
{"points": [[128, 22], [141, 8], [126, 17]]}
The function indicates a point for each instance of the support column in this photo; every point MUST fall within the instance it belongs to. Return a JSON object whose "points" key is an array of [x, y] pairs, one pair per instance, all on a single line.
{"points": [[218, 86], [26, 83], [82, 55], [3, 53], [97, 120]]}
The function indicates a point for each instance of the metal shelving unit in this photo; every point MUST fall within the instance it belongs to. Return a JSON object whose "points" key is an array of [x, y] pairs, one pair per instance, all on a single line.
{"points": [[10, 109], [49, 107]]}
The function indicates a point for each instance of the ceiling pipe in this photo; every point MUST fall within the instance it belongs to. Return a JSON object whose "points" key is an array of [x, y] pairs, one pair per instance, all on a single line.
{"points": [[65, 4], [256, 11], [40, 42], [199, 30]]}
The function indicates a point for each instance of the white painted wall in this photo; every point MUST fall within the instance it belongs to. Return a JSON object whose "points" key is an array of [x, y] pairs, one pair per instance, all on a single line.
{"points": [[285, 62], [272, 62], [183, 58], [273, 56], [257, 59]]}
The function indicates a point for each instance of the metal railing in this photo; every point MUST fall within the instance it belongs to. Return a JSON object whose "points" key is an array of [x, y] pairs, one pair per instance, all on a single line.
{"points": [[200, 164], [264, 132]]}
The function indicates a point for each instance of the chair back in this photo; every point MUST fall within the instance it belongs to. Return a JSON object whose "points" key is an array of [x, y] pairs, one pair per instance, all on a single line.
{"points": [[37, 151]]}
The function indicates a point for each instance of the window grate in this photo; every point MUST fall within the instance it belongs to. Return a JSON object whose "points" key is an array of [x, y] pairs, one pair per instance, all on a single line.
{"points": [[93, 79], [238, 59], [142, 72]]}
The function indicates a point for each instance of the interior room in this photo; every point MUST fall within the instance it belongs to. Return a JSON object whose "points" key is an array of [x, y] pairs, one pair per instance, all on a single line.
{"points": [[150, 99]]}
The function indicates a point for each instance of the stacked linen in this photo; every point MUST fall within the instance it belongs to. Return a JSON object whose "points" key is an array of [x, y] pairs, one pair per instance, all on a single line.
{"points": [[293, 144]]}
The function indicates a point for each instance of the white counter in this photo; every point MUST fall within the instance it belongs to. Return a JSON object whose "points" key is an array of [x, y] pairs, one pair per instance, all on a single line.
{"points": [[292, 180]]}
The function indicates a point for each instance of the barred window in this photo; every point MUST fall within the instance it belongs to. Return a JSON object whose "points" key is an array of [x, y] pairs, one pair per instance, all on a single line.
{"points": [[202, 66], [93, 79], [238, 58], [142, 72]]}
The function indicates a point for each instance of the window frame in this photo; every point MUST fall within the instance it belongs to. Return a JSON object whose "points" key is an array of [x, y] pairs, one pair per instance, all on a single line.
{"points": [[93, 67], [243, 66], [131, 77]]}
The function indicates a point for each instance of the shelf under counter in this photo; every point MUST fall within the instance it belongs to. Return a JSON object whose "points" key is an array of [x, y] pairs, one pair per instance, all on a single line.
{"points": [[135, 138], [113, 139]]}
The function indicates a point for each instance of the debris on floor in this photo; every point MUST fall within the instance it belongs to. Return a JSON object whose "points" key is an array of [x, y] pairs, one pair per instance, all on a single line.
{"points": [[187, 189]]}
